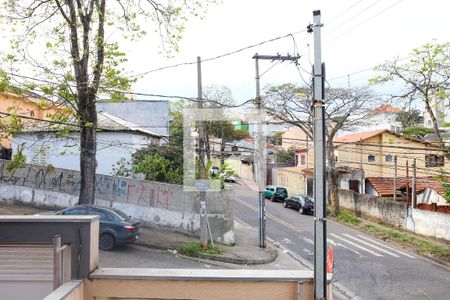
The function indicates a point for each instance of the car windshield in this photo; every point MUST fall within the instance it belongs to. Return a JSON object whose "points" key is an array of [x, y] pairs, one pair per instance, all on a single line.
{"points": [[281, 190]]}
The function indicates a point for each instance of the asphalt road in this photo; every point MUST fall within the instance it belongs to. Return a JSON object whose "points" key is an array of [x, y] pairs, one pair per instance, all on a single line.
{"points": [[365, 267]]}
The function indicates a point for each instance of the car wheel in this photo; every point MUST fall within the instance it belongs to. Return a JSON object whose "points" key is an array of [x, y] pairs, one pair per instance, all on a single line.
{"points": [[285, 204], [107, 242], [272, 199], [301, 210]]}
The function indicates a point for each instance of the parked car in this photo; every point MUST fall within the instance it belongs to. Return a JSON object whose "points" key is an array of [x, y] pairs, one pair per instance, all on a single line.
{"points": [[116, 228], [275, 193], [303, 204], [228, 176]]}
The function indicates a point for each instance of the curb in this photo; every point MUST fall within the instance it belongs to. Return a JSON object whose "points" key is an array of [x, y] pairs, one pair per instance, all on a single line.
{"points": [[217, 258], [240, 261]]}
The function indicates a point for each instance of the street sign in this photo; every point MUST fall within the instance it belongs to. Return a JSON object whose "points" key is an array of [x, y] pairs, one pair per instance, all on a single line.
{"points": [[330, 260]]}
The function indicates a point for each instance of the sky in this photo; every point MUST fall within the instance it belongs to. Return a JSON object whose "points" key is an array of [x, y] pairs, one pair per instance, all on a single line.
{"points": [[356, 35]]}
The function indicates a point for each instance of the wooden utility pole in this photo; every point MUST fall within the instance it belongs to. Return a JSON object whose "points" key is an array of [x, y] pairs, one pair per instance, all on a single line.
{"points": [[407, 185], [395, 177], [414, 183]]}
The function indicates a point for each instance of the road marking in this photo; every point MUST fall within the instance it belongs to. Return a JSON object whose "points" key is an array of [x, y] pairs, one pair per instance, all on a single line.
{"points": [[370, 245], [309, 241], [270, 216], [356, 245], [386, 246]]}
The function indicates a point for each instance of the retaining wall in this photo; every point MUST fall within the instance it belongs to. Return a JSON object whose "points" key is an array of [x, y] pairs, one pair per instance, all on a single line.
{"points": [[428, 223], [156, 204]]}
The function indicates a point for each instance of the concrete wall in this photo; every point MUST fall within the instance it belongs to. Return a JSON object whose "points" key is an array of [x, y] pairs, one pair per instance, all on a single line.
{"points": [[156, 204], [390, 212], [430, 224], [116, 283], [419, 221]]}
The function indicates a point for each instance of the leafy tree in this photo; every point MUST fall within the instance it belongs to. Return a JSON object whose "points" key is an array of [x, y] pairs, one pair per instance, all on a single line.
{"points": [[425, 77], [445, 185], [286, 156], [157, 168], [80, 60], [345, 108], [409, 118], [416, 132]]}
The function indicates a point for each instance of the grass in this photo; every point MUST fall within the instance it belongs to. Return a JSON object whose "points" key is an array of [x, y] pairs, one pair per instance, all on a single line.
{"points": [[406, 239], [194, 248], [347, 218]]}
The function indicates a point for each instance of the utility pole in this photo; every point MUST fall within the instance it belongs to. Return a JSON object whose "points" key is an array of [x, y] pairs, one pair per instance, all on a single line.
{"points": [[361, 167], [395, 178], [320, 214], [259, 165], [202, 165], [260, 140], [407, 186], [414, 195]]}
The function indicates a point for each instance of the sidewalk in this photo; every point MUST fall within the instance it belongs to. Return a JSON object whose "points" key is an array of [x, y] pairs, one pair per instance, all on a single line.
{"points": [[245, 252], [250, 183]]}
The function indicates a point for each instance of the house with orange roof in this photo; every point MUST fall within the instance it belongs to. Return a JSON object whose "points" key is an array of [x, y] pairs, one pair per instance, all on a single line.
{"points": [[376, 151], [30, 106]]}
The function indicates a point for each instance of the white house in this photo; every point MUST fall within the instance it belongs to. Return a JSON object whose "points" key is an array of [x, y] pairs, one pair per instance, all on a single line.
{"points": [[116, 139]]}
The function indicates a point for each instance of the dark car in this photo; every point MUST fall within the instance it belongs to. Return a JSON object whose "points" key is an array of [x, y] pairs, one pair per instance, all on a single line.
{"points": [[303, 204], [275, 193], [116, 228]]}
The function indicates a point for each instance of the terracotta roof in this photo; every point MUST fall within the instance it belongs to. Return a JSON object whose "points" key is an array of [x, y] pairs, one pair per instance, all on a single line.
{"points": [[361, 136], [384, 186], [384, 108], [356, 137]]}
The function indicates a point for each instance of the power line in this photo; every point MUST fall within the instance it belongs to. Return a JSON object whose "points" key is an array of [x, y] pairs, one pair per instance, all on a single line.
{"points": [[365, 21], [218, 56]]}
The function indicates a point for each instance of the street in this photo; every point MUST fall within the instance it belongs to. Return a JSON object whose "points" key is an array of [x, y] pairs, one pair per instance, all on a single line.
{"points": [[368, 267]]}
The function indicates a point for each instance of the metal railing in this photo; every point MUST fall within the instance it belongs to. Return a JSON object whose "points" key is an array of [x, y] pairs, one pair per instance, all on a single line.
{"points": [[62, 263]]}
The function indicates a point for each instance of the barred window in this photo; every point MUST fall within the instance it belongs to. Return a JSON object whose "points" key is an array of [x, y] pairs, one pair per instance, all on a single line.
{"points": [[433, 160]]}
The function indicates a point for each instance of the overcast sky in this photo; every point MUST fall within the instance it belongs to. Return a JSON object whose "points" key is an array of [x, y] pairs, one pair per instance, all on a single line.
{"points": [[357, 35]]}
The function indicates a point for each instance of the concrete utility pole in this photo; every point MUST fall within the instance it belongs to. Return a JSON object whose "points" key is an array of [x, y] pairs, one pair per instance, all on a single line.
{"points": [[202, 164], [260, 140], [320, 218]]}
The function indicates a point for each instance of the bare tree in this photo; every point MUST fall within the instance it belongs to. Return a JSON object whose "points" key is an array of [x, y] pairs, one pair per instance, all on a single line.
{"points": [[425, 76], [345, 108], [78, 61]]}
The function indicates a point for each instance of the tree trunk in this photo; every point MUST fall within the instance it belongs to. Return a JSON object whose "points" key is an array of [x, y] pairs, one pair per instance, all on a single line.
{"points": [[435, 123], [88, 149], [332, 181]]}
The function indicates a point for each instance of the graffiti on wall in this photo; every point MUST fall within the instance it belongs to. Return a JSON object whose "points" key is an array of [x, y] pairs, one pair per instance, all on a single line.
{"points": [[107, 187]]}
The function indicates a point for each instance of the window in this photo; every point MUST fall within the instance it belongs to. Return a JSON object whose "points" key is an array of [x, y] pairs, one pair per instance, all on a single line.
{"points": [[433, 160], [388, 158], [371, 158], [302, 160], [31, 113]]}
